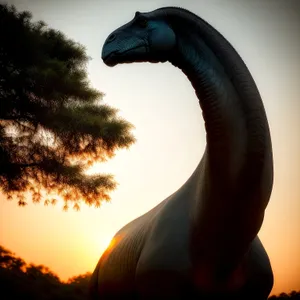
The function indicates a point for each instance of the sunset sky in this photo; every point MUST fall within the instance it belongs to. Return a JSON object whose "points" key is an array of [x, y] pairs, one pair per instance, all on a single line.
{"points": [[160, 102]]}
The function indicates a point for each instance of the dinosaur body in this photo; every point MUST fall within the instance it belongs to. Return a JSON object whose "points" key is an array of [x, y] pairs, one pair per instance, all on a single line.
{"points": [[202, 240]]}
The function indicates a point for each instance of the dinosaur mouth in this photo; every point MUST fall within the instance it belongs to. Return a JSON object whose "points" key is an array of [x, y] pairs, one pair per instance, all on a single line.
{"points": [[110, 59], [117, 57]]}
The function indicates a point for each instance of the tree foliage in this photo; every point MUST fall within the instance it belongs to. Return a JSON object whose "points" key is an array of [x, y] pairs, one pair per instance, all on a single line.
{"points": [[53, 124]]}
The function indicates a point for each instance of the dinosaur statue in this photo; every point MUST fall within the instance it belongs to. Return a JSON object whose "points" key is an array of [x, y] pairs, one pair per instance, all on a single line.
{"points": [[201, 242]]}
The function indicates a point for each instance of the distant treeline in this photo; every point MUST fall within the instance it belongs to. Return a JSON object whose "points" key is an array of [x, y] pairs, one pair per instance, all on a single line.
{"points": [[294, 295], [19, 280]]}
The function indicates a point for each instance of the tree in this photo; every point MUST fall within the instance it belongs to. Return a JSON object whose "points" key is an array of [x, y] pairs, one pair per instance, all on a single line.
{"points": [[53, 125], [18, 279]]}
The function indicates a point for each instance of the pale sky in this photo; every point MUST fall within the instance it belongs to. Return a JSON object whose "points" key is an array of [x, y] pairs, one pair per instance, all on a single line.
{"points": [[160, 102]]}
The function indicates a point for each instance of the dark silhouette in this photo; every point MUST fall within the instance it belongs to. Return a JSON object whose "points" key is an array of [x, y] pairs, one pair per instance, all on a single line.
{"points": [[202, 239], [53, 125], [293, 295], [19, 280]]}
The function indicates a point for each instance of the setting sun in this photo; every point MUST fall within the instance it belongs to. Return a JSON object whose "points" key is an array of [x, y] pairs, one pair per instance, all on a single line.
{"points": [[106, 243]]}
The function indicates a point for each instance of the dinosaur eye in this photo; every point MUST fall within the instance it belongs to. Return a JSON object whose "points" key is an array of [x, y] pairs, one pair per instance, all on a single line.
{"points": [[142, 22]]}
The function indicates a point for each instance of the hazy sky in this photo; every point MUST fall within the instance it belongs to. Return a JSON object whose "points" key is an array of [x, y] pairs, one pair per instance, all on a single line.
{"points": [[160, 102]]}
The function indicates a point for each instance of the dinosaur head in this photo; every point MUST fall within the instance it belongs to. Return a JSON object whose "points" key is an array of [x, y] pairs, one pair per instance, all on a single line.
{"points": [[144, 39]]}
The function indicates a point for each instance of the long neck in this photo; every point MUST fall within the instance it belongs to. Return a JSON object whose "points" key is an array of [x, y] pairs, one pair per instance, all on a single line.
{"points": [[223, 112], [235, 175]]}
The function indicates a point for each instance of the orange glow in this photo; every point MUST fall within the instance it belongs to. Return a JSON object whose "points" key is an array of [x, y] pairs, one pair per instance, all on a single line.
{"points": [[108, 243], [111, 244]]}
